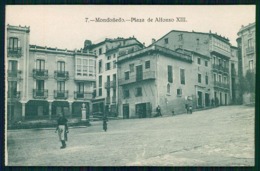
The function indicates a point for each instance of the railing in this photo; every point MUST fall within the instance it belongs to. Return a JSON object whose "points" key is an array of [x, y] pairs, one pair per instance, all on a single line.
{"points": [[110, 84], [108, 100], [14, 74], [61, 94], [40, 94], [220, 68], [14, 52], [83, 95], [221, 85], [61, 75], [250, 50], [113, 99], [40, 74], [132, 78], [14, 95]]}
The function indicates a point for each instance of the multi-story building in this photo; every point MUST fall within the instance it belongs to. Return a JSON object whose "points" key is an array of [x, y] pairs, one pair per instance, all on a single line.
{"points": [[106, 88], [153, 76], [247, 55], [214, 46], [44, 81]]}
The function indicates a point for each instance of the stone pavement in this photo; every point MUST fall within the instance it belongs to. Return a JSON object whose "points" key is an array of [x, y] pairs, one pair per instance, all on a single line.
{"points": [[223, 136]]}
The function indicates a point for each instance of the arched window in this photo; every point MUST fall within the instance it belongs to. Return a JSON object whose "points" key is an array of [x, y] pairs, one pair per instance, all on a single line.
{"points": [[168, 88]]}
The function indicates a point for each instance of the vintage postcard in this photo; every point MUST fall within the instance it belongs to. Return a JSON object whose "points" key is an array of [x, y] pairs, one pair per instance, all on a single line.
{"points": [[130, 85]]}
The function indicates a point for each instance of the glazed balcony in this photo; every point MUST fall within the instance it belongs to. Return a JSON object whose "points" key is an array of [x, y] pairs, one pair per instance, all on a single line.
{"points": [[14, 52], [148, 75], [61, 94], [85, 77], [14, 95], [250, 50], [83, 95], [40, 94], [40, 74], [61, 75]]}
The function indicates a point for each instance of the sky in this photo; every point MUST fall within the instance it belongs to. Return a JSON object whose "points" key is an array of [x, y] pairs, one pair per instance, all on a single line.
{"points": [[65, 26]]}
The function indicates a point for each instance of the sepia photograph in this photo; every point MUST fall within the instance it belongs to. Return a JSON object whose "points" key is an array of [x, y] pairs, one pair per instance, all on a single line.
{"points": [[130, 85]]}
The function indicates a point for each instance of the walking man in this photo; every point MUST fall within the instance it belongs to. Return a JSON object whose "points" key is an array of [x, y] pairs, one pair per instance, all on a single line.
{"points": [[62, 129]]}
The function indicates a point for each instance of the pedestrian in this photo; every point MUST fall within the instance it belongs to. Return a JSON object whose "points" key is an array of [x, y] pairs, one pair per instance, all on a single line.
{"points": [[105, 123], [187, 108], [62, 128], [158, 110], [190, 109]]}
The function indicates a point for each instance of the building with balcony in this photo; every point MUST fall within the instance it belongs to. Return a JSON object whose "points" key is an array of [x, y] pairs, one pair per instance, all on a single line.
{"points": [[216, 47], [45, 81], [150, 77], [106, 88], [247, 55]]}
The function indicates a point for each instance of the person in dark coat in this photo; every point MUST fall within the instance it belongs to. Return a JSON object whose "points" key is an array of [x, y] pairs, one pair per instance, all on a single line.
{"points": [[105, 123], [62, 128], [158, 110], [187, 108]]}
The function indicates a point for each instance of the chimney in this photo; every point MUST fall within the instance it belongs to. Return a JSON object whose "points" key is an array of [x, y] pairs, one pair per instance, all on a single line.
{"points": [[153, 40]]}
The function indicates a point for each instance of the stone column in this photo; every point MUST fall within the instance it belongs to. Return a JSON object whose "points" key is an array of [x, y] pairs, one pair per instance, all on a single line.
{"points": [[83, 111], [50, 109], [23, 110], [70, 108]]}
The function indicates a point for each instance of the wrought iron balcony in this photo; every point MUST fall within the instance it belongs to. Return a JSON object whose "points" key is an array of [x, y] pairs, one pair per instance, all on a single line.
{"points": [[61, 75], [40, 74], [14, 52], [217, 67], [61, 94], [40, 94], [110, 84], [250, 50], [221, 85], [83, 95], [14, 95], [148, 75]]}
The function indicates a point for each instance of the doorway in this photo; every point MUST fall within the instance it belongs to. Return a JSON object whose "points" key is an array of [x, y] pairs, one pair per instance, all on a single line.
{"points": [[125, 111], [140, 110]]}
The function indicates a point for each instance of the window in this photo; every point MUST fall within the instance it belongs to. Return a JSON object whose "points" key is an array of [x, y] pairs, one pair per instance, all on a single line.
{"points": [[198, 41], [180, 37], [206, 63], [13, 43], [139, 72], [100, 81], [12, 88], [182, 76], [168, 88], [80, 87], [109, 57], [215, 77], [199, 78], [108, 66], [126, 94], [114, 64], [40, 64], [100, 91], [12, 65], [131, 66], [251, 65], [214, 60], [85, 67], [250, 42], [92, 66], [219, 78], [114, 55], [61, 86], [100, 51], [224, 79], [147, 64], [207, 79], [40, 85], [100, 66], [166, 41], [179, 92], [170, 79], [198, 61], [61, 66], [108, 92], [127, 75], [138, 91]]}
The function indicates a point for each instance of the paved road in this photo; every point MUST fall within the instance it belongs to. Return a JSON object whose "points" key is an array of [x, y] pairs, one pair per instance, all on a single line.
{"points": [[218, 137]]}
